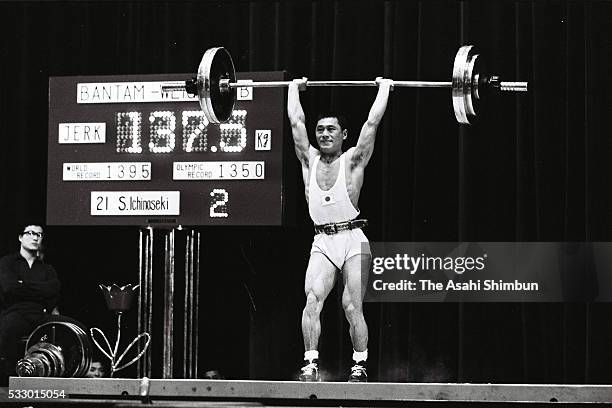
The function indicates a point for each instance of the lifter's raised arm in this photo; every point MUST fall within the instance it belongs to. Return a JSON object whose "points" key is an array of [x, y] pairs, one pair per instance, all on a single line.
{"points": [[365, 144], [297, 119]]}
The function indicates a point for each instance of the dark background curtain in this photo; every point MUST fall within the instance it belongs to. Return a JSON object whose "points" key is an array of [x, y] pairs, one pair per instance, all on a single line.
{"points": [[534, 168]]}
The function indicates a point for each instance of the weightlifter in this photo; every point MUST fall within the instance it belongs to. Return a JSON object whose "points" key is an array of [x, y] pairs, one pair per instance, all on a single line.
{"points": [[332, 181]]}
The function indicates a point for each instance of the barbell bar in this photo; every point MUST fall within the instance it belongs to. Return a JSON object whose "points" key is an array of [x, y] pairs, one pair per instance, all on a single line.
{"points": [[215, 84], [225, 84]]}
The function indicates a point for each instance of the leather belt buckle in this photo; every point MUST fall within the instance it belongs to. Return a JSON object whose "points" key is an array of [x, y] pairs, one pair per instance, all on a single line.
{"points": [[344, 226], [330, 229]]}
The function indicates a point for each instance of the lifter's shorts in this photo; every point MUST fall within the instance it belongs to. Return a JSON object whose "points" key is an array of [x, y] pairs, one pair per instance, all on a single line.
{"points": [[341, 246]]}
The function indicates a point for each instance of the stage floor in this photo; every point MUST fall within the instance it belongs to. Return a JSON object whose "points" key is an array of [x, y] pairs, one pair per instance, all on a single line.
{"points": [[204, 393]]}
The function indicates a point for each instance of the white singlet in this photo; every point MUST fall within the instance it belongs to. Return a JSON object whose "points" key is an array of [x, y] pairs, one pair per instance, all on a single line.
{"points": [[332, 206]]}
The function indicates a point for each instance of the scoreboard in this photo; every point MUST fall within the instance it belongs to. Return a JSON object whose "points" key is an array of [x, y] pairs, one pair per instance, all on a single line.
{"points": [[124, 151]]}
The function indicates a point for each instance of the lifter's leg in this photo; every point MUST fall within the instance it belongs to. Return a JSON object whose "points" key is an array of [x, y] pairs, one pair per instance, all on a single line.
{"points": [[319, 281], [355, 276]]}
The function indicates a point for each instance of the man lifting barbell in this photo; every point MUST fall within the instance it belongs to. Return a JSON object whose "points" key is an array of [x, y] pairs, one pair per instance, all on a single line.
{"points": [[332, 182], [333, 179]]}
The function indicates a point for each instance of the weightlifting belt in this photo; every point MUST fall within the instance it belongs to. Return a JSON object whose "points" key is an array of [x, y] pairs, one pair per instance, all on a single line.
{"points": [[334, 228]]}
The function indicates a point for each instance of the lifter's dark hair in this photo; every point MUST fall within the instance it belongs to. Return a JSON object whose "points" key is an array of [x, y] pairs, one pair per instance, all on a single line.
{"points": [[331, 114], [34, 222]]}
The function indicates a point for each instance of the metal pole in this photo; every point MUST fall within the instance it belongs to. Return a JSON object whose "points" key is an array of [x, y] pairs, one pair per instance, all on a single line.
{"points": [[144, 298], [186, 343], [503, 86], [191, 270], [275, 84], [141, 288], [167, 366], [225, 85], [196, 303], [149, 296], [145, 306]]}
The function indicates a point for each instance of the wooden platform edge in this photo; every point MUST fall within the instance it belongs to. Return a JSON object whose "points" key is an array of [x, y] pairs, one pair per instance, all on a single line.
{"points": [[287, 390]]}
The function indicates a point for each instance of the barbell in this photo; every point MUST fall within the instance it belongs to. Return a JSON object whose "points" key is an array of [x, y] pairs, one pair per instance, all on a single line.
{"points": [[215, 84]]}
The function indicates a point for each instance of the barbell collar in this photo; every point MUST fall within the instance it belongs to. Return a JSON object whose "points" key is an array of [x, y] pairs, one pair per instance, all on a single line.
{"points": [[190, 86], [178, 86]]}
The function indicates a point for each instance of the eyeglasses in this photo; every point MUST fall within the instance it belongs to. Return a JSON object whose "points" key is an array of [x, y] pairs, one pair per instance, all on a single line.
{"points": [[33, 234]]}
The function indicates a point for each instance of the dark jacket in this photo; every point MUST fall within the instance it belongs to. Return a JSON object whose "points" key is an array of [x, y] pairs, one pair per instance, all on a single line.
{"points": [[22, 286]]}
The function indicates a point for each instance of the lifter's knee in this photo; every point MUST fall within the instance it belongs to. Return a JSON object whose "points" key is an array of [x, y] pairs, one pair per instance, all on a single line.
{"points": [[352, 310], [312, 307]]}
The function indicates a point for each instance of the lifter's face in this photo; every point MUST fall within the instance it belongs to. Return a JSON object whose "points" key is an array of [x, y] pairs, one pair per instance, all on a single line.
{"points": [[329, 135], [31, 238]]}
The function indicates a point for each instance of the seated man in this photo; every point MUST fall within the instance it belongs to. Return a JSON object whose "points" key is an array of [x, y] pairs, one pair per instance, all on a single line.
{"points": [[29, 290]]}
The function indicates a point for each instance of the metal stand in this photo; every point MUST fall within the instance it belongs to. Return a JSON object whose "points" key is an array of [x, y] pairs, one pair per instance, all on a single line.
{"points": [[145, 295], [168, 333], [191, 315], [190, 304]]}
